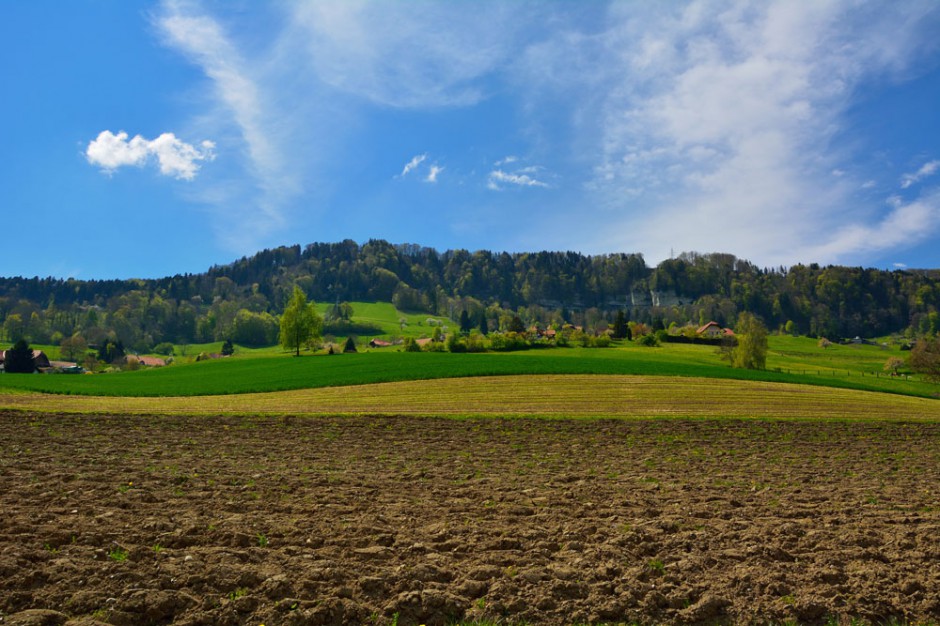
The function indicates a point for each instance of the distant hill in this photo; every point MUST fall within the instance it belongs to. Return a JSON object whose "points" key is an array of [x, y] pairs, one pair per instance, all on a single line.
{"points": [[831, 301]]}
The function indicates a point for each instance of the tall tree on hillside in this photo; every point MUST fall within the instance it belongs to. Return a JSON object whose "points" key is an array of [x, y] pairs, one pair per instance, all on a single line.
{"points": [[751, 351], [484, 327], [300, 322], [620, 326], [465, 324]]}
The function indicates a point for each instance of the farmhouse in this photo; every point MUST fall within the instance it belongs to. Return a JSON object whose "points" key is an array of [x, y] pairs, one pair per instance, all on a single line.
{"points": [[378, 343], [713, 330], [151, 361]]}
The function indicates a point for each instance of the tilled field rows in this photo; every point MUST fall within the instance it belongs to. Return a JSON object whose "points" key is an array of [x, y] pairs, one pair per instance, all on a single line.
{"points": [[288, 520]]}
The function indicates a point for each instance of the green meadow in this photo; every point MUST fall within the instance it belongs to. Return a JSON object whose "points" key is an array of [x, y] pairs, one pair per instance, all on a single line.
{"points": [[791, 360]]}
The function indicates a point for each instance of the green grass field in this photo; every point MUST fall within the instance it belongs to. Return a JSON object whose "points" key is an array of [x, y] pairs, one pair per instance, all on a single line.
{"points": [[791, 360], [385, 316]]}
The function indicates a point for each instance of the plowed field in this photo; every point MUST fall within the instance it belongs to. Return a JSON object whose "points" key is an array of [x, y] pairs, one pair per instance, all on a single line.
{"points": [[287, 520]]}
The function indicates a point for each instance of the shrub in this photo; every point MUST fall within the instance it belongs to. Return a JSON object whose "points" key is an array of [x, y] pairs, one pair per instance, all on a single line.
{"points": [[649, 340], [476, 342], [454, 344], [411, 345], [508, 342], [434, 346], [165, 348]]}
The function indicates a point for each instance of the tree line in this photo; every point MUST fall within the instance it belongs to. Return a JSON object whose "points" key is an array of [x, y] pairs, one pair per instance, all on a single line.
{"points": [[242, 301]]}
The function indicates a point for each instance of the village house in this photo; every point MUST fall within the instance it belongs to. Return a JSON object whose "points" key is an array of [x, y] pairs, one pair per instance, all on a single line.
{"points": [[714, 330]]}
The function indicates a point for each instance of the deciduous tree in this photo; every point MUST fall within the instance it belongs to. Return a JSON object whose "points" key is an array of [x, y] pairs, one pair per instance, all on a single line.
{"points": [[300, 322], [751, 351], [73, 348], [925, 359]]}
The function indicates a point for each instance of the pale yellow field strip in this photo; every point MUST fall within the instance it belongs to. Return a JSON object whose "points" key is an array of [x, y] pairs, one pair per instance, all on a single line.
{"points": [[555, 395]]}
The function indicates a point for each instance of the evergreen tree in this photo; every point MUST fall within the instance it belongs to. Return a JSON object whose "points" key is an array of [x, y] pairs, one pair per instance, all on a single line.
{"points": [[19, 359], [465, 324], [516, 325], [300, 322], [350, 345], [227, 348], [484, 327], [620, 326]]}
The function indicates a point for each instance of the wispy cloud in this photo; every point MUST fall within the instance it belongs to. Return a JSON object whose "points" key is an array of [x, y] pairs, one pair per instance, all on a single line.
{"points": [[718, 118], [501, 177], [928, 169], [175, 157], [905, 224], [203, 40], [413, 163], [437, 54], [689, 125], [498, 179], [433, 173]]}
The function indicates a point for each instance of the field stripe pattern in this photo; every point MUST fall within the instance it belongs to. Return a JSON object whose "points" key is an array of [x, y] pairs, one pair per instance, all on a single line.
{"points": [[541, 395]]}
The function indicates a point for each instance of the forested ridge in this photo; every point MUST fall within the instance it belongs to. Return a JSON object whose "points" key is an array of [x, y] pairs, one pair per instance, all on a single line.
{"points": [[241, 300]]}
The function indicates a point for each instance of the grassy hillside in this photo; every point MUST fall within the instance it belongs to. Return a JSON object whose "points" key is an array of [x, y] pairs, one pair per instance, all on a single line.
{"points": [[793, 360], [387, 319]]}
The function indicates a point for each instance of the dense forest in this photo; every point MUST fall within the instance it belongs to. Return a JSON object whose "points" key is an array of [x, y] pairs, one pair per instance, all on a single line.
{"points": [[241, 301]]}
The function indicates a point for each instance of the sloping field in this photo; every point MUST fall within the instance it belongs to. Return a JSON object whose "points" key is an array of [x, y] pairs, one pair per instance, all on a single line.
{"points": [[280, 373], [541, 395]]}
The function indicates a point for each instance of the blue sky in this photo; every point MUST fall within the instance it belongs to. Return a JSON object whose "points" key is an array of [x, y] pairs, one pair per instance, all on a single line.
{"points": [[143, 139]]}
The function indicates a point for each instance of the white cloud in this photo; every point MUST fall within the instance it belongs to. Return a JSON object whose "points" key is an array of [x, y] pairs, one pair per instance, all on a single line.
{"points": [[906, 224], [928, 169], [498, 179], [715, 122], [408, 54], [695, 125], [433, 172], [251, 206], [175, 157], [413, 163]]}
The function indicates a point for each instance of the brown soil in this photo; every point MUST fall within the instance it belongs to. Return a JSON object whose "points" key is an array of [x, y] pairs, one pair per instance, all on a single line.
{"points": [[329, 521]]}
